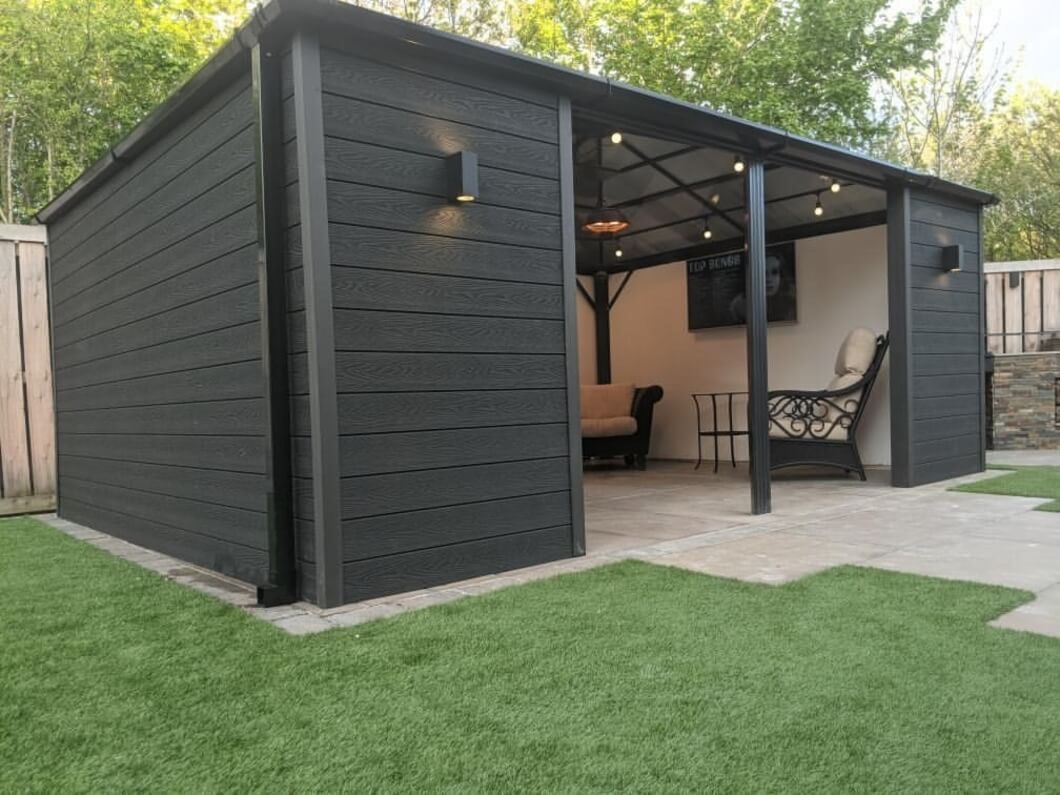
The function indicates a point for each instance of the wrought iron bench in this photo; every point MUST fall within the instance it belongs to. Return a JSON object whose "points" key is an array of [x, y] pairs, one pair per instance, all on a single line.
{"points": [[820, 428]]}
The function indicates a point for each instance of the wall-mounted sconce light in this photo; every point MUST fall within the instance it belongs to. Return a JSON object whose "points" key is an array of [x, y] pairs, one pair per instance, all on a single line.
{"points": [[951, 258], [462, 175]]}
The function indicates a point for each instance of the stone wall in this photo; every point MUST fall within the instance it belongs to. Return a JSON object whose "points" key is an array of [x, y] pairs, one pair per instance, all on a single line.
{"points": [[1026, 401]]}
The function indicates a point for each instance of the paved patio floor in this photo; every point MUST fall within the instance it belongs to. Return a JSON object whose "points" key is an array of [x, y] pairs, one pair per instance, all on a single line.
{"points": [[673, 515]]}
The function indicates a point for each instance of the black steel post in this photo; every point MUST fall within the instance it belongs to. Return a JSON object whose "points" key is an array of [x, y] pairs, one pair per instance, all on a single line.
{"points": [[279, 511], [757, 363], [602, 302]]}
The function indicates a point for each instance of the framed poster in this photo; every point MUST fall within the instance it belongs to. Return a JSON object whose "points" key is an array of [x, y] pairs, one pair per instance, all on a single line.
{"points": [[716, 287]]}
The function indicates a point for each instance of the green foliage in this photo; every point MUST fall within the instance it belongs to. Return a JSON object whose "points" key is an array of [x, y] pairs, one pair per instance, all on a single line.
{"points": [[630, 678], [77, 75], [1020, 162], [808, 66]]}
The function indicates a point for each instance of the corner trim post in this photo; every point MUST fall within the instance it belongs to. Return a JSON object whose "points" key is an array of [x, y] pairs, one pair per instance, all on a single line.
{"points": [[757, 361], [272, 288], [899, 314], [570, 322], [319, 318]]}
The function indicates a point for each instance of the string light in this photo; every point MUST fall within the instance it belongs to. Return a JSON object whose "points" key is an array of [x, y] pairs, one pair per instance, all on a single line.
{"points": [[715, 199], [818, 210], [616, 137], [835, 186], [707, 234], [738, 165], [618, 249]]}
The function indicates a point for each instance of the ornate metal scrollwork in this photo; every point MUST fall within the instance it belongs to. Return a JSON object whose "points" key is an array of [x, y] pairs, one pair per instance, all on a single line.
{"points": [[814, 415]]}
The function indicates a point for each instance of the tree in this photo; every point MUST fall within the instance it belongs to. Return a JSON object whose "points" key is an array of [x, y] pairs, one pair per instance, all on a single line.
{"points": [[77, 75], [1019, 162]]}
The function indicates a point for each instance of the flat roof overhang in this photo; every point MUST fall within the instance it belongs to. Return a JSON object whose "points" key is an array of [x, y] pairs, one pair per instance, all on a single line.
{"points": [[668, 118]]}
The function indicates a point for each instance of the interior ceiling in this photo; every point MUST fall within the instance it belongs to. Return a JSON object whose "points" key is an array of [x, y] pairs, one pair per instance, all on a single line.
{"points": [[669, 190]]}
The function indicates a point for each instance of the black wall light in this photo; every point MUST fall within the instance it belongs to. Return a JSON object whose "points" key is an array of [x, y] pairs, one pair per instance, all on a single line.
{"points": [[462, 176], [951, 258]]}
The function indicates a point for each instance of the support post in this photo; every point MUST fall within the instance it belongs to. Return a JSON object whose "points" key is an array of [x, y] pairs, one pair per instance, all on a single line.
{"points": [[272, 289], [602, 301], [899, 316], [757, 362], [570, 319], [319, 319]]}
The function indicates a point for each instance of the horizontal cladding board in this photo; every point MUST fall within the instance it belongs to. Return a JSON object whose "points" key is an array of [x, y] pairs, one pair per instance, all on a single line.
{"points": [[930, 320], [363, 79], [227, 382], [394, 250], [934, 471], [221, 245], [357, 329], [931, 212], [229, 453], [931, 408], [403, 452], [402, 532], [929, 364], [367, 579], [944, 300], [243, 563], [214, 168], [171, 232], [361, 288], [943, 385], [236, 344], [931, 235], [383, 208], [186, 135], [945, 427], [234, 307], [376, 495], [412, 57], [372, 123], [229, 417], [923, 256], [419, 372], [397, 169], [945, 342], [234, 525], [231, 489], [197, 284], [414, 411], [947, 448], [934, 279]]}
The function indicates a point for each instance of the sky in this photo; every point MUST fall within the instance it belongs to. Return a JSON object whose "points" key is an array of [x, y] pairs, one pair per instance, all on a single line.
{"points": [[1033, 25]]}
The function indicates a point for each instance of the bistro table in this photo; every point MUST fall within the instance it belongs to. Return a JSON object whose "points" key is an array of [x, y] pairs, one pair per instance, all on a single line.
{"points": [[714, 432]]}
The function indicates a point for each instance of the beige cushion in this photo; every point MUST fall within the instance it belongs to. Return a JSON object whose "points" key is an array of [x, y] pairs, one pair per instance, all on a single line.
{"points": [[856, 352], [603, 401], [778, 427], [609, 426]]}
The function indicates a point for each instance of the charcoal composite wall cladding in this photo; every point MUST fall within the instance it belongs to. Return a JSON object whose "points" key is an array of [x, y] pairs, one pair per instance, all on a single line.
{"points": [[449, 328], [158, 375]]}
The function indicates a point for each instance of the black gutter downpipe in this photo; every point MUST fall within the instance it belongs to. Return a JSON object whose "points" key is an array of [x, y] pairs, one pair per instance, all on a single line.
{"points": [[602, 311], [281, 586], [757, 362]]}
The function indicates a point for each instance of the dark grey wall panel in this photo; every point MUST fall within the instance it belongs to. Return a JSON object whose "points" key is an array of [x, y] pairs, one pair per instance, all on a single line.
{"points": [[416, 450], [426, 567], [426, 411], [159, 382], [945, 340], [449, 324]]}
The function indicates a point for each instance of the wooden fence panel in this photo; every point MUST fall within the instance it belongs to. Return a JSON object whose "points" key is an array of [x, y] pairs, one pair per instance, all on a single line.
{"points": [[27, 413], [1023, 306]]}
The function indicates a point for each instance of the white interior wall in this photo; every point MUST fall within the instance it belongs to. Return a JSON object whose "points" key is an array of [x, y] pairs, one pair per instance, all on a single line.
{"points": [[842, 283]]}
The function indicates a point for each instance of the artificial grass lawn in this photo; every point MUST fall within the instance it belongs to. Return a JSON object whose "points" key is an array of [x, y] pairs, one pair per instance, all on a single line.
{"points": [[1022, 481], [627, 677]]}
